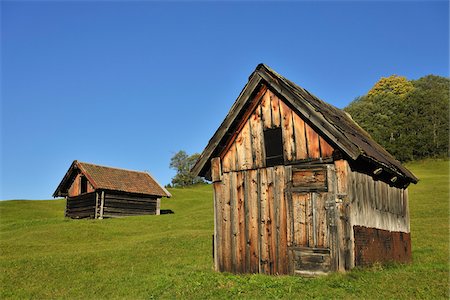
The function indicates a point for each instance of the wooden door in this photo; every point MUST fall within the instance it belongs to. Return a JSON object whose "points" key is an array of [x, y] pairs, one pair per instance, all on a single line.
{"points": [[312, 230]]}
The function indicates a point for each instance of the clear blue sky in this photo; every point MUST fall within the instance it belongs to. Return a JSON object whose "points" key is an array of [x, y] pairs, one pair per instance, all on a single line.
{"points": [[129, 84]]}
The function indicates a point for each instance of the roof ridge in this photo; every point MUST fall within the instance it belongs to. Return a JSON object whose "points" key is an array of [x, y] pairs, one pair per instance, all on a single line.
{"points": [[109, 167]]}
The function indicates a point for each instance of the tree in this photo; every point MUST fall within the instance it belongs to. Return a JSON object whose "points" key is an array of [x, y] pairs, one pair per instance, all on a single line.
{"points": [[392, 85], [408, 118], [182, 163]]}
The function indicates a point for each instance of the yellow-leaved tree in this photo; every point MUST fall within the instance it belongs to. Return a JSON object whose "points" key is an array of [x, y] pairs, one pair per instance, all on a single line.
{"points": [[390, 86]]}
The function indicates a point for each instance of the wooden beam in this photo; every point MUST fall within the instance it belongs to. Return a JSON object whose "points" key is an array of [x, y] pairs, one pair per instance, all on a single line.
{"points": [[378, 171], [102, 204]]}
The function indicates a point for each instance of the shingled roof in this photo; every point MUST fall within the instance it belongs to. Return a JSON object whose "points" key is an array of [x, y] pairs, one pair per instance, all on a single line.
{"points": [[113, 179], [335, 124]]}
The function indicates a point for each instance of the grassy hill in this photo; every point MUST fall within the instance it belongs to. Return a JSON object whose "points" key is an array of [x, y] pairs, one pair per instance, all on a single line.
{"points": [[44, 255]]}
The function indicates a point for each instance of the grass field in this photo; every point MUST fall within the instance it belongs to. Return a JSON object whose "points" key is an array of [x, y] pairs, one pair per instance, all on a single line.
{"points": [[44, 255]]}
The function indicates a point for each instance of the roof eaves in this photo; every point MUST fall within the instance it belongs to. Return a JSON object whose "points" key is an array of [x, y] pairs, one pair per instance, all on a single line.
{"points": [[168, 194], [247, 91]]}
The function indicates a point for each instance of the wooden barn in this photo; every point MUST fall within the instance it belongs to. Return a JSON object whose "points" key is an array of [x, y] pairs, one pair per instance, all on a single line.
{"points": [[300, 188], [93, 191]]}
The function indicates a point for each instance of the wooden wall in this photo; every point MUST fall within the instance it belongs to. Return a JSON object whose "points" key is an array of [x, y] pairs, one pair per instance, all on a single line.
{"points": [[82, 206], [300, 142], [251, 222], [74, 189], [369, 203], [121, 205], [109, 204]]}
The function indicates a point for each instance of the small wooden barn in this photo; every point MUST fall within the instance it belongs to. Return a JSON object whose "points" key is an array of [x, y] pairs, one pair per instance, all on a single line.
{"points": [[299, 187], [94, 191]]}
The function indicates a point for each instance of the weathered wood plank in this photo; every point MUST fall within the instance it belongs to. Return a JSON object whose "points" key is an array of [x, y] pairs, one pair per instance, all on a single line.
{"points": [[321, 221], [287, 132], [256, 139], [264, 232], [325, 149], [341, 176], [266, 109], [244, 149], [301, 149], [216, 169], [226, 225], [254, 238], [275, 103], [312, 142], [310, 221], [246, 186], [282, 257], [300, 219], [310, 178], [218, 223], [234, 221], [272, 222], [289, 206], [240, 220]]}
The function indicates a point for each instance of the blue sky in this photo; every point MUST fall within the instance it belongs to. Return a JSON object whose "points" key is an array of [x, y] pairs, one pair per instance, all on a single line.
{"points": [[128, 84]]}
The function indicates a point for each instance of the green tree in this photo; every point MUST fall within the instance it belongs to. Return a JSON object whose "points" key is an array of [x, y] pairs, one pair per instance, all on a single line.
{"points": [[182, 163], [409, 118]]}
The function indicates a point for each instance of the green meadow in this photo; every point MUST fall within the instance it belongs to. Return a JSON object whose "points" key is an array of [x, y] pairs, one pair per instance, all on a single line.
{"points": [[44, 255]]}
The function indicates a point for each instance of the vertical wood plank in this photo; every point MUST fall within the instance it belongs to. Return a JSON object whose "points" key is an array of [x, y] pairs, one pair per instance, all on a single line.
{"points": [[289, 205], [226, 225], [282, 257], [257, 143], [266, 109], [216, 169], [301, 151], [309, 220], [243, 149], [312, 142], [229, 160], [271, 222], [218, 186], [287, 132], [275, 103], [240, 224], [254, 222], [321, 226], [234, 220], [341, 176], [325, 149], [246, 186], [302, 219], [264, 231]]}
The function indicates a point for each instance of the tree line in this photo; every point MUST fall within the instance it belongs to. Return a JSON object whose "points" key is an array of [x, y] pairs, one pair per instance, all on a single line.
{"points": [[410, 118]]}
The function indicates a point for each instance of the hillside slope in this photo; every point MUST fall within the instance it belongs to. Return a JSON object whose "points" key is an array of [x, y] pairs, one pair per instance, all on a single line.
{"points": [[44, 255]]}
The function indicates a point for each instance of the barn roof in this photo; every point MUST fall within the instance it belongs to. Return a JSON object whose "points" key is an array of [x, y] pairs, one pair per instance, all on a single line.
{"points": [[335, 124], [113, 179]]}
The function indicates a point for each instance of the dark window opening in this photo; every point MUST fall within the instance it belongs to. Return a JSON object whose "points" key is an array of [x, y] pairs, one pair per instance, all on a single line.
{"points": [[83, 185], [273, 143]]}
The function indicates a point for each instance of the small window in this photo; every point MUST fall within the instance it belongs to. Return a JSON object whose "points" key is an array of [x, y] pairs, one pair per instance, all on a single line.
{"points": [[273, 143], [83, 185]]}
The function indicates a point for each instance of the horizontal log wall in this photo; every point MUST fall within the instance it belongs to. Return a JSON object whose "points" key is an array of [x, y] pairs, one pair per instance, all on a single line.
{"points": [[82, 206], [121, 205], [300, 142], [251, 222]]}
